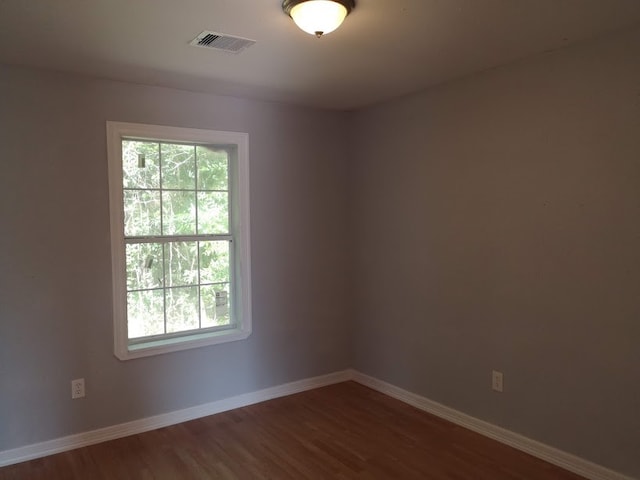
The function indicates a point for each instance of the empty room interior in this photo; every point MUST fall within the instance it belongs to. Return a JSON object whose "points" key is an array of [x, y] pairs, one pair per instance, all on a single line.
{"points": [[238, 243]]}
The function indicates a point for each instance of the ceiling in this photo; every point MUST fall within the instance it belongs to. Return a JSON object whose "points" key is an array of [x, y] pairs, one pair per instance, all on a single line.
{"points": [[385, 48]]}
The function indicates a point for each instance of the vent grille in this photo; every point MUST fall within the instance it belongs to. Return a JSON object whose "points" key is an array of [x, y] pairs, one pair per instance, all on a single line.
{"points": [[222, 42]]}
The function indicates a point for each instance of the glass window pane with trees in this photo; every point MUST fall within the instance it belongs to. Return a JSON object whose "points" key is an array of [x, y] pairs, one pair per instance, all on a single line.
{"points": [[173, 192], [179, 223]]}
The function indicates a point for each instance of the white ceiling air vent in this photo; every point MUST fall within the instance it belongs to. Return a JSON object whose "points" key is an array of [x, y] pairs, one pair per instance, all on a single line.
{"points": [[221, 41]]}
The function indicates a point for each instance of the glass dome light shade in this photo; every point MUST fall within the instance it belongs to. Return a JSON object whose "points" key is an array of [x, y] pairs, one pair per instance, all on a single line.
{"points": [[318, 17]]}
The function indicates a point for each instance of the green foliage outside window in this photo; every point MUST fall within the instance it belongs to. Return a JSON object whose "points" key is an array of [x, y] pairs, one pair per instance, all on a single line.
{"points": [[171, 191]]}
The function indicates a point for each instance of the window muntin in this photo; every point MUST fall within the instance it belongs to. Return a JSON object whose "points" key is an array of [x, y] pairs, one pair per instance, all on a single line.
{"points": [[179, 237]]}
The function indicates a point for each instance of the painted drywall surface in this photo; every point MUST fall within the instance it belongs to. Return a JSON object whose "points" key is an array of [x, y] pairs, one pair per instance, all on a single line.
{"points": [[497, 224], [55, 274]]}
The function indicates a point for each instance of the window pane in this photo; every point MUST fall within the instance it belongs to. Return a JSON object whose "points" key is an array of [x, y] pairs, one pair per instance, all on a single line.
{"points": [[178, 166], [214, 262], [215, 303], [182, 309], [181, 263], [212, 168], [140, 164], [213, 212], [178, 213], [144, 266], [141, 213], [145, 313]]}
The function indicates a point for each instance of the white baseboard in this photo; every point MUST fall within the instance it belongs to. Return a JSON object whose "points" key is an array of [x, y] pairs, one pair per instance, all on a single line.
{"points": [[50, 447], [552, 455], [549, 454]]}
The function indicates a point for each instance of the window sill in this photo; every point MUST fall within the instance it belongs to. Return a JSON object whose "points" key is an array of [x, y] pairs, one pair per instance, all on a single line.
{"points": [[157, 347]]}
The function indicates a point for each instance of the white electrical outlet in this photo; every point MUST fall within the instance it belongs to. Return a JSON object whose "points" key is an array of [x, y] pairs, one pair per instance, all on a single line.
{"points": [[496, 381], [77, 388]]}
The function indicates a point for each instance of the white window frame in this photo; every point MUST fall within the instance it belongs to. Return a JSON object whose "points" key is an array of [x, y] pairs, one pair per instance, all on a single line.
{"points": [[124, 349]]}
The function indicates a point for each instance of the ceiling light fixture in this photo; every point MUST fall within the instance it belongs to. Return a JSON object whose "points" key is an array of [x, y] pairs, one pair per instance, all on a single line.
{"points": [[318, 17]]}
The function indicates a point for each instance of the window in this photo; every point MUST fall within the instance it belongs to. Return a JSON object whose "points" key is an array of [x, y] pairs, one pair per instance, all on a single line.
{"points": [[179, 237]]}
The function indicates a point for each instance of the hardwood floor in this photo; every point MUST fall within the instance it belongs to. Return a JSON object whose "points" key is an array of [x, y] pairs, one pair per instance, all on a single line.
{"points": [[344, 431]]}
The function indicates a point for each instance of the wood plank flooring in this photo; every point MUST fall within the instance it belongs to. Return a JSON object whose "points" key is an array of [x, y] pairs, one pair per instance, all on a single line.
{"points": [[344, 431]]}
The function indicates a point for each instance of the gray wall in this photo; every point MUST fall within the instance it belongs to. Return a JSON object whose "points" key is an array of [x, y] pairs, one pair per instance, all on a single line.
{"points": [[497, 225], [55, 280]]}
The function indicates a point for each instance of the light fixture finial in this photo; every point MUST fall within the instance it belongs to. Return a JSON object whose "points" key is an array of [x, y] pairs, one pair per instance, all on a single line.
{"points": [[318, 17]]}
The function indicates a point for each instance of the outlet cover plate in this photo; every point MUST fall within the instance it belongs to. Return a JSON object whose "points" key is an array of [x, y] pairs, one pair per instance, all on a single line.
{"points": [[497, 380], [77, 388]]}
